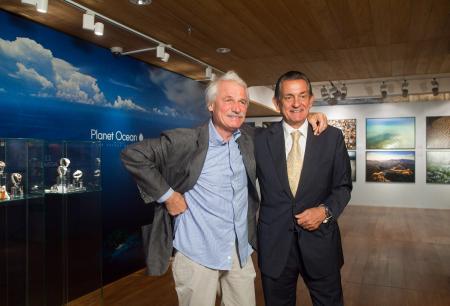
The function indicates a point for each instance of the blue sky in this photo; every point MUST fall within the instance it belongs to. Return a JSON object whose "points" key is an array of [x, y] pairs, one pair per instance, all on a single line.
{"points": [[387, 155], [38, 62]]}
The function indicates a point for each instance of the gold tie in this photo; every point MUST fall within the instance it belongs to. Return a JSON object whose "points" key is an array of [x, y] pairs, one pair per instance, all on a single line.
{"points": [[294, 163]]}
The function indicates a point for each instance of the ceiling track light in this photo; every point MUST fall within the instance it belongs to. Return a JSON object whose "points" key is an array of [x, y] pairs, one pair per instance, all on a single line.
{"points": [[434, 87], [140, 34], [41, 5], [90, 24], [162, 54], [343, 91], [208, 72], [383, 90], [404, 89]]}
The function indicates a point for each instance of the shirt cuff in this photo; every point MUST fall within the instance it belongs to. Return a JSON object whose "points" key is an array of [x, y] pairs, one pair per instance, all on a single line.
{"points": [[165, 196]]}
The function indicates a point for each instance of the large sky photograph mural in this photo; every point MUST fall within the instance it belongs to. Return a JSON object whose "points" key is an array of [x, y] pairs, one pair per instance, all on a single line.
{"points": [[57, 87]]}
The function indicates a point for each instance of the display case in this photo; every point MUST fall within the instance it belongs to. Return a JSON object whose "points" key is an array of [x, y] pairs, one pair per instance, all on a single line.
{"points": [[74, 236], [21, 169], [72, 166], [22, 222]]}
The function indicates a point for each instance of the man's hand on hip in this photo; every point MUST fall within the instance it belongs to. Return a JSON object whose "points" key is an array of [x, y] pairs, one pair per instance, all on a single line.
{"points": [[176, 204]]}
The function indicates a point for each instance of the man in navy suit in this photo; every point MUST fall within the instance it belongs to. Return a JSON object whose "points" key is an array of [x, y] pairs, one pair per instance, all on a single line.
{"points": [[305, 185]]}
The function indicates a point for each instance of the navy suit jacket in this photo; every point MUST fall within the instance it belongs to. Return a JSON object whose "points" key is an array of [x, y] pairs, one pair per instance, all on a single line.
{"points": [[325, 179]]}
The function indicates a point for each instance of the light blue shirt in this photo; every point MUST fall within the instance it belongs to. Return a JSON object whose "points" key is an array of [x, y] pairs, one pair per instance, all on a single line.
{"points": [[216, 219]]}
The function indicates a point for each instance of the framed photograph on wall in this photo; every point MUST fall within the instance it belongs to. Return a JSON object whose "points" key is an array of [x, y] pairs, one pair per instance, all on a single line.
{"points": [[391, 133], [438, 167], [390, 166], [438, 132], [348, 128], [352, 155]]}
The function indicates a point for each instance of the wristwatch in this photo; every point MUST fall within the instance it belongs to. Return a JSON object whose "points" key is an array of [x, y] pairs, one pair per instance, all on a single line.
{"points": [[328, 214]]}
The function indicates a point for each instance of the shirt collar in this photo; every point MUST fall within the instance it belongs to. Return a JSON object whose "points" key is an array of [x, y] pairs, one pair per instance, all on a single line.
{"points": [[289, 129], [216, 139]]}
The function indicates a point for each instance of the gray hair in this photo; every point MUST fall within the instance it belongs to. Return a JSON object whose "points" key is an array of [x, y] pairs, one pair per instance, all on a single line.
{"points": [[211, 90], [288, 76]]}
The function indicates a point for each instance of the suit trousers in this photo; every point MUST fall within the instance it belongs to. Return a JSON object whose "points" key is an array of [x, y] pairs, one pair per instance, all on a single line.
{"points": [[197, 285], [282, 291]]}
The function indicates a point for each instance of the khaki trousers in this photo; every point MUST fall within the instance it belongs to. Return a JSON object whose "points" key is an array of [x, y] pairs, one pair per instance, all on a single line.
{"points": [[197, 285]]}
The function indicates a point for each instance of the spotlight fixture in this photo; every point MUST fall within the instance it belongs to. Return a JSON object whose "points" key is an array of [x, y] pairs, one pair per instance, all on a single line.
{"points": [[334, 92], [404, 89], [90, 24], [383, 90], [41, 5], [98, 28], [162, 54], [208, 72], [434, 87], [324, 93], [141, 2], [343, 91]]}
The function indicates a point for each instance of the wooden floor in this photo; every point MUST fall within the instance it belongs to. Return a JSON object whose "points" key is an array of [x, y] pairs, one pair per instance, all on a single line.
{"points": [[393, 256]]}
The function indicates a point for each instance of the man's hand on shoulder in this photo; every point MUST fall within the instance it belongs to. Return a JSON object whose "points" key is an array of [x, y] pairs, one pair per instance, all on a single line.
{"points": [[176, 204], [318, 121]]}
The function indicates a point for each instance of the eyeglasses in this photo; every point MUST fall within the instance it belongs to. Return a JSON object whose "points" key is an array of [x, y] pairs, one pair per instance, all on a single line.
{"points": [[291, 98]]}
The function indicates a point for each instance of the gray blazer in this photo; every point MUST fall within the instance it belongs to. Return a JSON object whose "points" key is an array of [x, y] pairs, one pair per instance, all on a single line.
{"points": [[176, 160]]}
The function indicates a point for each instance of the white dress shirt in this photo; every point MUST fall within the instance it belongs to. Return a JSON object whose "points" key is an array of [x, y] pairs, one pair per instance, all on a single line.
{"points": [[287, 129]]}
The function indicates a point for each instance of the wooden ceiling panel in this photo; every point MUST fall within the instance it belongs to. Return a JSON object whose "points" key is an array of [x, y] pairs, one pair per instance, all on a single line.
{"points": [[327, 39]]}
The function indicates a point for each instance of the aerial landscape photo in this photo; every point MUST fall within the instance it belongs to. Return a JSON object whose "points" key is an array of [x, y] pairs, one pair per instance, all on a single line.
{"points": [[438, 132], [390, 166], [390, 133], [438, 167]]}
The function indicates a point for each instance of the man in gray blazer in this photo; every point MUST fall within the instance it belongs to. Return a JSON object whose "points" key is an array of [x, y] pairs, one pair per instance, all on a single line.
{"points": [[204, 183]]}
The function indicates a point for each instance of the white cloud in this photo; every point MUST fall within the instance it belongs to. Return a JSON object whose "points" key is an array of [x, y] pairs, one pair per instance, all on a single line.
{"points": [[184, 92], [57, 77], [165, 111], [25, 50], [124, 84], [31, 74], [75, 86], [2, 90], [127, 104]]}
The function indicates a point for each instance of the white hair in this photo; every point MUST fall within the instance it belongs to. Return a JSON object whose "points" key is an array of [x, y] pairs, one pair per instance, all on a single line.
{"points": [[211, 90]]}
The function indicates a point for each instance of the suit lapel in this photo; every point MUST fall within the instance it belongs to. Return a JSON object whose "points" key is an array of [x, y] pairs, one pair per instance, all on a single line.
{"points": [[248, 156], [199, 156], [275, 142], [308, 161]]}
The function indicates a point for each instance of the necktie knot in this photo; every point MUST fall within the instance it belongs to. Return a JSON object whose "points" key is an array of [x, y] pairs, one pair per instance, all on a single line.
{"points": [[295, 136]]}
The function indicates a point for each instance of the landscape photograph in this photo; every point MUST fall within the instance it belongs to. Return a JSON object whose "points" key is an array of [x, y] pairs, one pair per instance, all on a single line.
{"points": [[390, 166], [438, 167], [390, 133], [438, 132], [348, 128], [352, 155]]}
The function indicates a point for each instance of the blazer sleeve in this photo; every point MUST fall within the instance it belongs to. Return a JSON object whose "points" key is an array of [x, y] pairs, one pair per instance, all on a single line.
{"points": [[341, 181], [145, 161]]}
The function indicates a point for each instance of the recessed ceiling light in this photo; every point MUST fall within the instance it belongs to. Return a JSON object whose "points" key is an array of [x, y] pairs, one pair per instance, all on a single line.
{"points": [[223, 50], [141, 2]]}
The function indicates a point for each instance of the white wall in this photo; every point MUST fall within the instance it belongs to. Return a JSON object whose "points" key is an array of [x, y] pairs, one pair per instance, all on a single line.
{"points": [[418, 194]]}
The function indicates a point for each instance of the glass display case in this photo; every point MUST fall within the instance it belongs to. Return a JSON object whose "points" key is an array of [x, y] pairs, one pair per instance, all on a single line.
{"points": [[74, 235], [72, 166], [21, 171], [22, 222]]}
